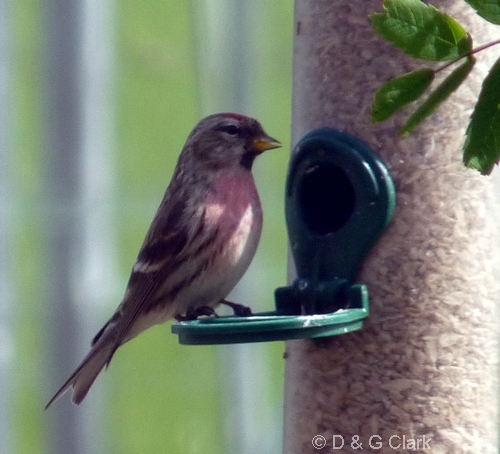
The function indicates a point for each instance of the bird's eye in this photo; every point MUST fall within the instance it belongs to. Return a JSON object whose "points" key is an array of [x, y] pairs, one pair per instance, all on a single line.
{"points": [[232, 130]]}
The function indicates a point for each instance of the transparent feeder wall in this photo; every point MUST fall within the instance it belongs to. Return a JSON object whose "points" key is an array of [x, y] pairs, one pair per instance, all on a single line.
{"points": [[426, 360]]}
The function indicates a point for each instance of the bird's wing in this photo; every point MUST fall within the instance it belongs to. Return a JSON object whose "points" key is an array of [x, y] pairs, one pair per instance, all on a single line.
{"points": [[160, 254], [170, 242]]}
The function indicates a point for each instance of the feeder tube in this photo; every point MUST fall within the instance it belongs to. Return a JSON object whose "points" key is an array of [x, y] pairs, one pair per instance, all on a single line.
{"points": [[421, 376]]}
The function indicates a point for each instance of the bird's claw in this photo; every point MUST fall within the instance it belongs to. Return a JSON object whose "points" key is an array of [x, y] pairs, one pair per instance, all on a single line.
{"points": [[238, 309], [194, 312]]}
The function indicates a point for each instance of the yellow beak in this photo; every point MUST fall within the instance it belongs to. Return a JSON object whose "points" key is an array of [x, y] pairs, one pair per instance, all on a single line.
{"points": [[264, 143]]}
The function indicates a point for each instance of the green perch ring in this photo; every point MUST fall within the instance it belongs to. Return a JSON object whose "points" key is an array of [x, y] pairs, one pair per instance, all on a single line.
{"points": [[339, 200]]}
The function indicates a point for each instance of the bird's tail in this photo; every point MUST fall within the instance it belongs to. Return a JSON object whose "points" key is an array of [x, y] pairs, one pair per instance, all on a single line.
{"points": [[81, 380]]}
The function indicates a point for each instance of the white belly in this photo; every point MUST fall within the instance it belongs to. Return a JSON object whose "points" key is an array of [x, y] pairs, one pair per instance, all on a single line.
{"points": [[233, 260]]}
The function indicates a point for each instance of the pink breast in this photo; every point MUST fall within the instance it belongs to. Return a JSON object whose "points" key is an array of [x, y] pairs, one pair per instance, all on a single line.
{"points": [[232, 201]]}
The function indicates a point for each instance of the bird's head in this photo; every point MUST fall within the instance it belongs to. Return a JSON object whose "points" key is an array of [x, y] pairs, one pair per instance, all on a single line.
{"points": [[228, 140]]}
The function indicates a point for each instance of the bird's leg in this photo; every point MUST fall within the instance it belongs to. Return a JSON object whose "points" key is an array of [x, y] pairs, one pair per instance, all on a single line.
{"points": [[194, 312], [238, 309]]}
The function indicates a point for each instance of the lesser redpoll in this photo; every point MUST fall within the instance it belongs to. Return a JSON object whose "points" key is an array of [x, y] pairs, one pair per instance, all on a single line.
{"points": [[201, 241]]}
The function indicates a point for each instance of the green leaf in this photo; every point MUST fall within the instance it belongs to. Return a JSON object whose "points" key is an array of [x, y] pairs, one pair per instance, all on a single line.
{"points": [[398, 93], [445, 89], [489, 9], [421, 30], [482, 145]]}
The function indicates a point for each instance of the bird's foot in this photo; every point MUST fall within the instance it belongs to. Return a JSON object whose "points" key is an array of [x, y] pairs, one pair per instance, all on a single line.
{"points": [[194, 312], [238, 309]]}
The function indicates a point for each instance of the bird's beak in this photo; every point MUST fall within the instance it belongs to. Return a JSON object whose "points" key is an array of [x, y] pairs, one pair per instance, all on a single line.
{"points": [[264, 143]]}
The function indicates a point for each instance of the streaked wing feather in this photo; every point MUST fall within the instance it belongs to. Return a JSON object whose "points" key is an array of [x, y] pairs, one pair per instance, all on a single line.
{"points": [[174, 241]]}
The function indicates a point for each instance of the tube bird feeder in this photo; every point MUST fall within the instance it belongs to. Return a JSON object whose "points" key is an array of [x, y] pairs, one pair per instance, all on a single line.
{"points": [[422, 374]]}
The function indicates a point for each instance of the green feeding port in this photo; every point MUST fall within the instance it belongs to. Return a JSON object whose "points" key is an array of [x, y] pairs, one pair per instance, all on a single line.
{"points": [[339, 200]]}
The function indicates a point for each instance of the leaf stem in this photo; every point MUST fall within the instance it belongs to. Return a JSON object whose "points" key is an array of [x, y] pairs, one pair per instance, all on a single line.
{"points": [[468, 54]]}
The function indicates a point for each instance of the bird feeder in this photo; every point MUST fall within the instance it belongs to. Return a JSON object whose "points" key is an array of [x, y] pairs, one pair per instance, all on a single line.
{"points": [[422, 374]]}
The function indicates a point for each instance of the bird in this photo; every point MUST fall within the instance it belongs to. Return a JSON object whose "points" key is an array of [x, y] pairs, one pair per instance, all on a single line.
{"points": [[200, 243]]}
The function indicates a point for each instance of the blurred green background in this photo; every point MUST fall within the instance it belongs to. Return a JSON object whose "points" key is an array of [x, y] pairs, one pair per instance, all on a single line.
{"points": [[161, 396]]}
